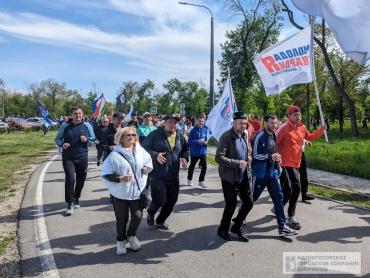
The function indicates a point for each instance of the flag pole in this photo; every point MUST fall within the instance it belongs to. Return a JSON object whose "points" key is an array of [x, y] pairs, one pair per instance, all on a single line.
{"points": [[315, 83]]}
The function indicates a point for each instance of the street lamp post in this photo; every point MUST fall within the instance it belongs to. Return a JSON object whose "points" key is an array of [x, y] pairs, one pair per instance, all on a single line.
{"points": [[211, 81]]}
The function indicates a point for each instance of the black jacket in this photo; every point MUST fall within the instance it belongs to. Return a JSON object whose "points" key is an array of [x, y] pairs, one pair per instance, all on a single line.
{"points": [[108, 140], [157, 142]]}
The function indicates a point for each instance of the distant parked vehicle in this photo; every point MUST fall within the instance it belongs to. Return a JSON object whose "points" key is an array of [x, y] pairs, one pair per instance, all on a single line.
{"points": [[19, 123], [3, 125], [35, 121]]}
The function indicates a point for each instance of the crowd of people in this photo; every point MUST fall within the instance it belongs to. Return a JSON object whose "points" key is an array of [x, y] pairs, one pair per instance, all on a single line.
{"points": [[146, 153]]}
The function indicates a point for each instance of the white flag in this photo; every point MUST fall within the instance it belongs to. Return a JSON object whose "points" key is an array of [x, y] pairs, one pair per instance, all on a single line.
{"points": [[287, 63], [220, 118], [348, 20], [128, 116]]}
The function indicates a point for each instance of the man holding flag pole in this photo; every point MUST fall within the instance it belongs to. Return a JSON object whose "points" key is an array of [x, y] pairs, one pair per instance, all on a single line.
{"points": [[280, 66]]}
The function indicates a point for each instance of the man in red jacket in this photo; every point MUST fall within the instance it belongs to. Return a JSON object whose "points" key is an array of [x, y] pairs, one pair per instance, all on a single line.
{"points": [[289, 139]]}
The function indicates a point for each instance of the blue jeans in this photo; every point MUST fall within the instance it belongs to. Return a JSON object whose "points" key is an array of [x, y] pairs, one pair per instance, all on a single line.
{"points": [[274, 188]]}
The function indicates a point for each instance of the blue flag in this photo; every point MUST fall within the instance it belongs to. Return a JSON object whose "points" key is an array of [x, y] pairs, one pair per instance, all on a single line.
{"points": [[42, 110]]}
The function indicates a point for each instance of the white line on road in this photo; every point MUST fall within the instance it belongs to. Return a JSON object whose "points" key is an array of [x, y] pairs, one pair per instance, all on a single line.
{"points": [[45, 252]]}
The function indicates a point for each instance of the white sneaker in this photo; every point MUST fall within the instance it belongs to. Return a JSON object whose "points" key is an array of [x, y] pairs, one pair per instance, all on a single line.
{"points": [[202, 185], [121, 248], [134, 243], [190, 182], [69, 209]]}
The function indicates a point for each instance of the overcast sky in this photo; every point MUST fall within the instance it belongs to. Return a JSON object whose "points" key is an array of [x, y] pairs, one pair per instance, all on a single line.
{"points": [[109, 41]]}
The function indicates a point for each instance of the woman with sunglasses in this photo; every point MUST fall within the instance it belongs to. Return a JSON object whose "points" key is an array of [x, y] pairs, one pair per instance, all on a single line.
{"points": [[125, 172]]}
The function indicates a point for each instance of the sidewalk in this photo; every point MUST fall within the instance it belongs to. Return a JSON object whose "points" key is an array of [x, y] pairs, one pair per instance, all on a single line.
{"points": [[330, 179]]}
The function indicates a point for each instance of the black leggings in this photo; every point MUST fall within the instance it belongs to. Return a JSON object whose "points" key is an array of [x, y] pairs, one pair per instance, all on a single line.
{"points": [[121, 211]]}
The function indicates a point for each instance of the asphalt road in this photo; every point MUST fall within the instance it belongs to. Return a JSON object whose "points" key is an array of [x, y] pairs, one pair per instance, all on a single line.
{"points": [[83, 245]]}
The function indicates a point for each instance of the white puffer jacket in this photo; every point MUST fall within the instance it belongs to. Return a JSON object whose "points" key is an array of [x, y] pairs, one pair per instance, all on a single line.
{"points": [[117, 165]]}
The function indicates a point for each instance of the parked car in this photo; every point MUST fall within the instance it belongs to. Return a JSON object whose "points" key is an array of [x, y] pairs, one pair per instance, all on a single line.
{"points": [[19, 123], [35, 121], [3, 125]]}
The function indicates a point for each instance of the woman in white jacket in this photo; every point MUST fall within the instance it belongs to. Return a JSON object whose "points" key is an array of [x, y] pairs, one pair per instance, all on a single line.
{"points": [[124, 173]]}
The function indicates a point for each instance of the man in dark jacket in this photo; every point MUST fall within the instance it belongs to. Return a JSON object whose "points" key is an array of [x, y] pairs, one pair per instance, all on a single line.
{"points": [[99, 132], [73, 137], [108, 135], [232, 157], [266, 171], [167, 148]]}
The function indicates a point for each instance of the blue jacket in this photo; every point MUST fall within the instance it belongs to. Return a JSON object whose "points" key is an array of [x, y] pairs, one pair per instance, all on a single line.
{"points": [[70, 133], [195, 134], [261, 157]]}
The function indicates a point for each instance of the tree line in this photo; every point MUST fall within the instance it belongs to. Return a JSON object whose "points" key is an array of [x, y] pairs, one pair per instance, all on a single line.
{"points": [[343, 84]]}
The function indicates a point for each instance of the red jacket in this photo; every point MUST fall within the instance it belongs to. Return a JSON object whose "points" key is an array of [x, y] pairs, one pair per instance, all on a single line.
{"points": [[290, 141]]}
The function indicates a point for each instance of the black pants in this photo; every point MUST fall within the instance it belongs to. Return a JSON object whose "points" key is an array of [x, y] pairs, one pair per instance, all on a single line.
{"points": [[230, 195], [203, 163], [164, 195], [122, 209], [291, 188], [303, 175], [99, 150], [76, 171]]}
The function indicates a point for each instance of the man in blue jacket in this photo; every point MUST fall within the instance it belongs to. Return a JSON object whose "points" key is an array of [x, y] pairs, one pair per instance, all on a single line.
{"points": [[73, 137], [198, 151], [266, 171]]}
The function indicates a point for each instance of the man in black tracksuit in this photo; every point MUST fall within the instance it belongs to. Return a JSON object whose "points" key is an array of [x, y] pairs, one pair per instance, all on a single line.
{"points": [[73, 137], [110, 132], [167, 148], [99, 132]]}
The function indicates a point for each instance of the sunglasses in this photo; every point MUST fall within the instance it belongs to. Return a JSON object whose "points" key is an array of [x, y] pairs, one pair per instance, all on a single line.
{"points": [[130, 134]]}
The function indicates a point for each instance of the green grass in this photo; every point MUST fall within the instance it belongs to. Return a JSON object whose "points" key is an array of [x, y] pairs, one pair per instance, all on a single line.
{"points": [[211, 160], [19, 149], [4, 242], [344, 155], [345, 197]]}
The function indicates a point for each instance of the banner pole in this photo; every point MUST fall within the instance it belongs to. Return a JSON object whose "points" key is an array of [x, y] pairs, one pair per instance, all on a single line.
{"points": [[312, 22]]}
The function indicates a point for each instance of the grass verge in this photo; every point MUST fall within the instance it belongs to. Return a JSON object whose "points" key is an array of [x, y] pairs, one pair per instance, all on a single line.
{"points": [[4, 242], [19, 149], [339, 195], [343, 154], [211, 160]]}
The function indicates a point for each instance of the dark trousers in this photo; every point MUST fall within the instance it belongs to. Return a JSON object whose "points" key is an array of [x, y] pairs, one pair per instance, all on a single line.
{"points": [[164, 195], [203, 163], [274, 188], [291, 188], [122, 209], [230, 195], [76, 171], [99, 150], [303, 175]]}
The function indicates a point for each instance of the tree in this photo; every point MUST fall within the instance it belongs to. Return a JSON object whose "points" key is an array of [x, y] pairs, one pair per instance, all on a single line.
{"points": [[338, 84], [259, 29]]}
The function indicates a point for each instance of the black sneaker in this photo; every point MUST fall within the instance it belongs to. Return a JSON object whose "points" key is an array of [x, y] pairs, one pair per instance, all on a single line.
{"points": [[162, 226], [239, 232], [77, 203], [286, 231], [292, 223], [224, 235], [150, 219], [307, 198], [98, 163]]}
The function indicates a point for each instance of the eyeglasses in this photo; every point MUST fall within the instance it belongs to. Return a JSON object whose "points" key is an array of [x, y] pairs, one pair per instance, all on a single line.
{"points": [[130, 134]]}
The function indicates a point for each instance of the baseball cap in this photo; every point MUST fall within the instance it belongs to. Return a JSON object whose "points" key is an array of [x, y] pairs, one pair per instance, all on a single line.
{"points": [[172, 117], [240, 115], [146, 114], [117, 115], [293, 109]]}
